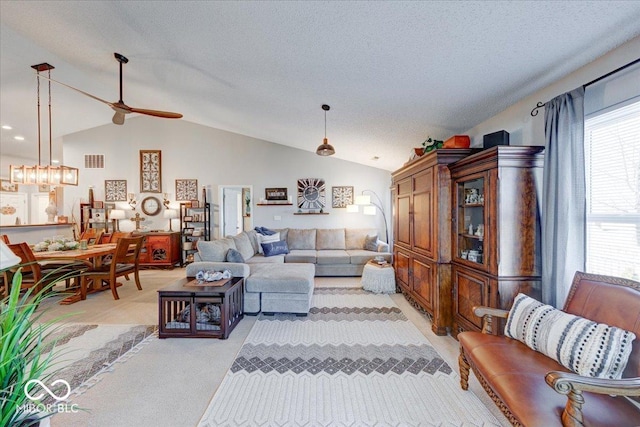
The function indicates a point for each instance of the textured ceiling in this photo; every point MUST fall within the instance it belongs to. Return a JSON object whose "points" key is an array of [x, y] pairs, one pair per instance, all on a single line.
{"points": [[392, 72]]}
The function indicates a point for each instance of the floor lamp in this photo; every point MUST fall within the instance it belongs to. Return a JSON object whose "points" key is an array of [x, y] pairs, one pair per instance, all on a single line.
{"points": [[370, 208]]}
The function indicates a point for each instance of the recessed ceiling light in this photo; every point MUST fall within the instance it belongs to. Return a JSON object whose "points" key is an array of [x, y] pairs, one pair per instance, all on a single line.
{"points": [[55, 161], [18, 138], [7, 127], [375, 158]]}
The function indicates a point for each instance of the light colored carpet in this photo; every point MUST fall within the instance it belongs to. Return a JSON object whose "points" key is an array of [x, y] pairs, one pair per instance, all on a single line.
{"points": [[171, 382], [355, 360]]}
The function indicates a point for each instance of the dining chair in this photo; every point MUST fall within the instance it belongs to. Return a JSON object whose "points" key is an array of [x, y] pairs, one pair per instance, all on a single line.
{"points": [[91, 235], [117, 235], [5, 239], [125, 261], [39, 274]]}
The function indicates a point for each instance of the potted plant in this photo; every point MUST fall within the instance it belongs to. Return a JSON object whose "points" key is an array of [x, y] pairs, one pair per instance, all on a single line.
{"points": [[24, 360]]}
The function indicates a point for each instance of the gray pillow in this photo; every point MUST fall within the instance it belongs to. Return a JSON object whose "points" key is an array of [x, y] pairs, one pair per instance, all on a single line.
{"points": [[234, 256], [371, 243]]}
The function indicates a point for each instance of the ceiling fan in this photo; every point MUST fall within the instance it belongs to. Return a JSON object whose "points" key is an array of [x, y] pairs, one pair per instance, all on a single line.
{"points": [[120, 107]]}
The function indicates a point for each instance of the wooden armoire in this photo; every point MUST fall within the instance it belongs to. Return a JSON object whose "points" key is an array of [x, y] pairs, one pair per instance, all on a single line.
{"points": [[422, 233]]}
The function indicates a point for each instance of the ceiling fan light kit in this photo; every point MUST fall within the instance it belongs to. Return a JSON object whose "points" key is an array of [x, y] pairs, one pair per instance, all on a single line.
{"points": [[39, 174], [325, 149]]}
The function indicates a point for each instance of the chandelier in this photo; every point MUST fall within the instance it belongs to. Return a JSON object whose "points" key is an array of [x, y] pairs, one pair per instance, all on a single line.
{"points": [[43, 174]]}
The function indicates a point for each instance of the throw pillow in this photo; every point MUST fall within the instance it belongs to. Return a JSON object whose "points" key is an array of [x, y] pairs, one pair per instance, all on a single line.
{"points": [[581, 345], [371, 243], [275, 248], [234, 256], [267, 239], [264, 231]]}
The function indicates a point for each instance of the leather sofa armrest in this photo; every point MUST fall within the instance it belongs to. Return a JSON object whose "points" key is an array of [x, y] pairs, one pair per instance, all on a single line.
{"points": [[572, 385], [487, 314]]}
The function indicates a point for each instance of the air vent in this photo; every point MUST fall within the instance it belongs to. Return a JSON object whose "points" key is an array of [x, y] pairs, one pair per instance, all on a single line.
{"points": [[94, 161]]}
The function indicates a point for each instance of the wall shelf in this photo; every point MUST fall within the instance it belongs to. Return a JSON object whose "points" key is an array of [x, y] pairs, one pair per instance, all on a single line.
{"points": [[311, 213], [274, 204]]}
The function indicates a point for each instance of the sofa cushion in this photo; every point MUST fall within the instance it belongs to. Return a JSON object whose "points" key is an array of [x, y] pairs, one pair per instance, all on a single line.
{"points": [[243, 245], [275, 248], [234, 256], [215, 250], [330, 239], [355, 237], [330, 256], [301, 238], [301, 255], [360, 256], [584, 346], [287, 278], [267, 239], [253, 238], [371, 243], [261, 259]]}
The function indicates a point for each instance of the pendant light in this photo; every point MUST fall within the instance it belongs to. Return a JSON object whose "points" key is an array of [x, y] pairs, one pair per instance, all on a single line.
{"points": [[325, 149], [39, 174]]}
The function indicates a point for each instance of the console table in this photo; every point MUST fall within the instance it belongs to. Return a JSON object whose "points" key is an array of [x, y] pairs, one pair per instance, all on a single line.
{"points": [[200, 311]]}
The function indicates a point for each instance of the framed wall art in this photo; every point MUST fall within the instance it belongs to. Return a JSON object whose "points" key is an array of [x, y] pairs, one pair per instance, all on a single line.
{"points": [[6, 185], [341, 196], [150, 171], [275, 193], [311, 193], [186, 189], [115, 190]]}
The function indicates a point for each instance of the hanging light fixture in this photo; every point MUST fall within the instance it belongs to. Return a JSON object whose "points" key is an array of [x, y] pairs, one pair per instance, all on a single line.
{"points": [[325, 149], [39, 174]]}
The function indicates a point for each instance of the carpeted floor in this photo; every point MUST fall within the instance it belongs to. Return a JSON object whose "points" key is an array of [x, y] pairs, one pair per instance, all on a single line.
{"points": [[171, 382], [355, 360]]}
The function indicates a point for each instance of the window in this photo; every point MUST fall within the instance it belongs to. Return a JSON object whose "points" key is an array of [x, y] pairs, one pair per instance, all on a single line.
{"points": [[612, 154]]}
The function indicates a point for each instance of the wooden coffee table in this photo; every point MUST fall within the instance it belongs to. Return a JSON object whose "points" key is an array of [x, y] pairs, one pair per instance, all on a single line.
{"points": [[196, 311]]}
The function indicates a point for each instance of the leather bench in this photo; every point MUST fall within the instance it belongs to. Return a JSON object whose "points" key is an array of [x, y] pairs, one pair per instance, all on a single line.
{"points": [[532, 389]]}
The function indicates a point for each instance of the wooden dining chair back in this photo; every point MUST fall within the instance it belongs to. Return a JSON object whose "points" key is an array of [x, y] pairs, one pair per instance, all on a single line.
{"points": [[117, 235], [91, 235], [125, 261], [5, 239]]}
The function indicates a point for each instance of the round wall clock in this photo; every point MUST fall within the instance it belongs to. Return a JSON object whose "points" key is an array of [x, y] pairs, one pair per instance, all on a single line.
{"points": [[311, 193], [151, 206]]}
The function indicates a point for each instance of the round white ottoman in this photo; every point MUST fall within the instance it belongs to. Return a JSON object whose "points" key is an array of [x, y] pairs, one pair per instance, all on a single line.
{"points": [[378, 279]]}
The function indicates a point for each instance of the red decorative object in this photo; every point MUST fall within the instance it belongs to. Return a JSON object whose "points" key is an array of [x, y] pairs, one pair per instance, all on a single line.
{"points": [[458, 141]]}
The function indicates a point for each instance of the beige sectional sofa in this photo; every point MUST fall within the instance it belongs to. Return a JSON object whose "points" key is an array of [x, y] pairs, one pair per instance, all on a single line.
{"points": [[335, 252], [284, 282]]}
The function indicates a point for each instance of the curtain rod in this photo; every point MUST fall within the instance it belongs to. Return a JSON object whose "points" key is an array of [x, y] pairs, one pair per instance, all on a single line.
{"points": [[539, 105]]}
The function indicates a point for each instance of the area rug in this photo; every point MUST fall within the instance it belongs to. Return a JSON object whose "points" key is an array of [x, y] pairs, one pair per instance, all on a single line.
{"points": [[355, 360], [86, 351]]}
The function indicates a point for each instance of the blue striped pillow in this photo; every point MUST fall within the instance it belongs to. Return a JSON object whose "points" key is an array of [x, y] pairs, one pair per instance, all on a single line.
{"points": [[581, 345]]}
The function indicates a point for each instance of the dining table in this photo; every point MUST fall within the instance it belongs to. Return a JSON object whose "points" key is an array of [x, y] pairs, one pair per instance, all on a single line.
{"points": [[93, 253]]}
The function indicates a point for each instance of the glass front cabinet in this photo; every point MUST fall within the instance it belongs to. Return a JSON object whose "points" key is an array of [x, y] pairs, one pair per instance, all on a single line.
{"points": [[471, 227], [495, 241]]}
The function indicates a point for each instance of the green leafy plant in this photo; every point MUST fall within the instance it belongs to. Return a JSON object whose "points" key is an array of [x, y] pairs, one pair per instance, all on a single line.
{"points": [[24, 355], [431, 144]]}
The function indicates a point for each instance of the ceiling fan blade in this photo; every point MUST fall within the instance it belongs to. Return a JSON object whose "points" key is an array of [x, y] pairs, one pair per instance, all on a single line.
{"points": [[78, 90], [156, 113], [118, 118]]}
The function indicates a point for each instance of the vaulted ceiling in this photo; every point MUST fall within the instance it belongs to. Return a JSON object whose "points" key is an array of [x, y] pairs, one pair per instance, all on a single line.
{"points": [[393, 72]]}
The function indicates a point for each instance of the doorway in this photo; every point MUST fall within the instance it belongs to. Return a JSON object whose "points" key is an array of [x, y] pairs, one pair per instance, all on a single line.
{"points": [[235, 212]]}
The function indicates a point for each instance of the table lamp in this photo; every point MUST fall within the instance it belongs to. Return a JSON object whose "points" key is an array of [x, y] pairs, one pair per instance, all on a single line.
{"points": [[7, 257], [170, 214], [116, 215]]}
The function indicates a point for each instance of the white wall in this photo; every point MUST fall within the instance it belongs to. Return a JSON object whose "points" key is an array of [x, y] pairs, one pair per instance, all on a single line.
{"points": [[215, 157], [526, 130]]}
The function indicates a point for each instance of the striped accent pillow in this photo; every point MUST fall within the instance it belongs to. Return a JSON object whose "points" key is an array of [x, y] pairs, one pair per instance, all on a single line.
{"points": [[581, 345]]}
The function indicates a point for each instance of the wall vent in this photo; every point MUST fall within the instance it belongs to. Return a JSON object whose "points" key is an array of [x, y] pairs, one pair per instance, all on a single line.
{"points": [[94, 161]]}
